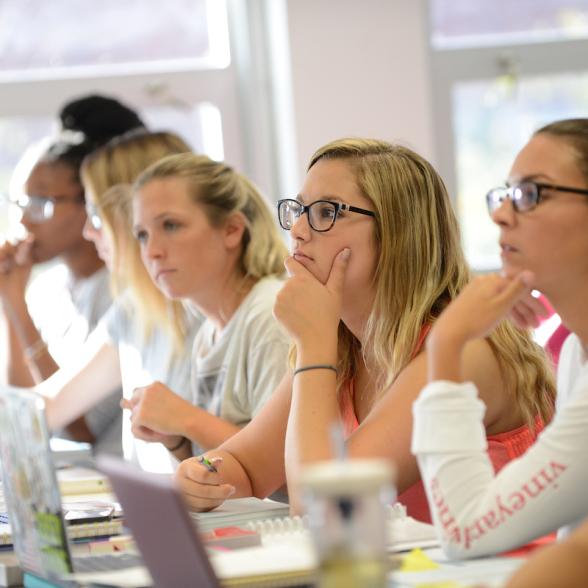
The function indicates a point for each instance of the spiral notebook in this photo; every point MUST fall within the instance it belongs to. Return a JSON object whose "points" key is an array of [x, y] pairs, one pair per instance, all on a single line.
{"points": [[239, 511], [404, 532]]}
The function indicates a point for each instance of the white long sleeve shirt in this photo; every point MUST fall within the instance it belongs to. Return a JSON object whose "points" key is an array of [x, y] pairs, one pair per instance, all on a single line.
{"points": [[478, 512]]}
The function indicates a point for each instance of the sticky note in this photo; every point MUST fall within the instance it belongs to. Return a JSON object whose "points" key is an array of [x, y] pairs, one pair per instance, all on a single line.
{"points": [[417, 561]]}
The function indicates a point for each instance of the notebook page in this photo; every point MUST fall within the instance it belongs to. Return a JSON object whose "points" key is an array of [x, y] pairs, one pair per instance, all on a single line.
{"points": [[239, 511], [81, 480], [294, 558]]}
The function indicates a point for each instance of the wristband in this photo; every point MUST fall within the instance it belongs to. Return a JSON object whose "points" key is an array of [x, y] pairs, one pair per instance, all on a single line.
{"points": [[33, 351], [176, 447], [320, 366]]}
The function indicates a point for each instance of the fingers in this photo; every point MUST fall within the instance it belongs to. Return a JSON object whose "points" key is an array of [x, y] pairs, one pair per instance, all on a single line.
{"points": [[137, 392], [7, 261], [527, 312], [512, 291], [22, 254], [518, 319], [537, 306], [338, 269], [201, 487]]}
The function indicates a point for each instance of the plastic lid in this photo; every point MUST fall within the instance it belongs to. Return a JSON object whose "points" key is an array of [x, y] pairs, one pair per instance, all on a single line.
{"points": [[347, 477]]}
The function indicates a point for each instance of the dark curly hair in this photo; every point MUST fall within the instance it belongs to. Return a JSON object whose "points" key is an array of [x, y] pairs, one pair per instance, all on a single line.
{"points": [[86, 124]]}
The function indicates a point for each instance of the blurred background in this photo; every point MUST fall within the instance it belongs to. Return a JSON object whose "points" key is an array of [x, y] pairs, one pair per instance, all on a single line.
{"points": [[262, 83]]}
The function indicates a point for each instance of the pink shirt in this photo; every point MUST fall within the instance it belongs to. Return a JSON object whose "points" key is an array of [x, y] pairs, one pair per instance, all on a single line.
{"points": [[502, 448]]}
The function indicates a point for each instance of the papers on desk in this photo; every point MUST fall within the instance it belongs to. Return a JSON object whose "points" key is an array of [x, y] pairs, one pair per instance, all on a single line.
{"points": [[80, 480], [281, 564], [288, 563], [239, 511]]}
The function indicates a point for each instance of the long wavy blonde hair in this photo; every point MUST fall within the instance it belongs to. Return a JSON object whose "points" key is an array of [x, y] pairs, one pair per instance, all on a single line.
{"points": [[222, 191], [107, 175], [420, 269]]}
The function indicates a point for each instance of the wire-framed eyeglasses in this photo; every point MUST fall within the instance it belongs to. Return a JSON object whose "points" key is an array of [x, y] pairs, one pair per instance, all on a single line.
{"points": [[525, 196], [40, 209], [322, 214]]}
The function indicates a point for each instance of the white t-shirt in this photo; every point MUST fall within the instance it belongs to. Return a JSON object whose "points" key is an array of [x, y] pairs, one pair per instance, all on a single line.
{"points": [[478, 512], [65, 312], [234, 375], [143, 362]]}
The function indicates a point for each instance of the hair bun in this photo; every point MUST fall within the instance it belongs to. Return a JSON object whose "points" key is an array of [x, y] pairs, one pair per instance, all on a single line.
{"points": [[99, 118]]}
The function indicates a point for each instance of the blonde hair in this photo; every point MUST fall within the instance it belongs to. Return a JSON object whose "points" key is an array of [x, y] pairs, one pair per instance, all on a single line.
{"points": [[222, 191], [108, 173], [420, 269]]}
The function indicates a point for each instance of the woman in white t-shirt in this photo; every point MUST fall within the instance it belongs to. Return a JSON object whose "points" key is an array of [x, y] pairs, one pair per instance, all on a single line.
{"points": [[542, 215], [207, 237]]}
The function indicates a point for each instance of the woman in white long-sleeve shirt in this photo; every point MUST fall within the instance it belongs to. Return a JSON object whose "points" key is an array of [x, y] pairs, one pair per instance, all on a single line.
{"points": [[543, 219]]}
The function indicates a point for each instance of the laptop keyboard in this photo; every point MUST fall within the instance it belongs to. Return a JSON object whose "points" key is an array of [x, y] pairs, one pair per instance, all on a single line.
{"points": [[106, 562]]}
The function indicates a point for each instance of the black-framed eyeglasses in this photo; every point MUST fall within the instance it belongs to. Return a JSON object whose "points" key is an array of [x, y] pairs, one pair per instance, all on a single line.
{"points": [[322, 214], [40, 209], [524, 195], [93, 215]]}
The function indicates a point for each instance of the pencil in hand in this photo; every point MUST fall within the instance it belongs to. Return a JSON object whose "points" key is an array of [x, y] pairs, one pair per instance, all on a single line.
{"points": [[208, 464]]}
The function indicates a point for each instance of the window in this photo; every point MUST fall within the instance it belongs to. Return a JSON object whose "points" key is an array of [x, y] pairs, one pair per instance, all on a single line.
{"points": [[169, 60], [500, 70], [58, 38]]}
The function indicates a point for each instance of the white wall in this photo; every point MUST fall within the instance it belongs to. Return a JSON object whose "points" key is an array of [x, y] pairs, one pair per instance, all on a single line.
{"points": [[360, 67]]}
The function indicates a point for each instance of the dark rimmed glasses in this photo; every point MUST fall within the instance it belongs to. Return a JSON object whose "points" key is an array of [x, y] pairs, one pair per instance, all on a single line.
{"points": [[322, 214], [40, 209], [525, 196]]}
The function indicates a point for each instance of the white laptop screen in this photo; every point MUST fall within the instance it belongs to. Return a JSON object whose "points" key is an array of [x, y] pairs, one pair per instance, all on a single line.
{"points": [[30, 485]]}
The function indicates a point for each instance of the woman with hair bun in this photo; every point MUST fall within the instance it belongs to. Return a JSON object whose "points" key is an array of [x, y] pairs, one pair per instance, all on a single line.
{"points": [[64, 303]]}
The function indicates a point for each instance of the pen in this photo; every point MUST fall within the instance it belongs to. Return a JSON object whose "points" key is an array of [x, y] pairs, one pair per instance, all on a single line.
{"points": [[207, 464]]}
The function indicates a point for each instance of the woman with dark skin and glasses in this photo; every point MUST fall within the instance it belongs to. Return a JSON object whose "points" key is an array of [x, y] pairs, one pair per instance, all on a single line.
{"points": [[375, 256], [50, 318], [543, 221]]}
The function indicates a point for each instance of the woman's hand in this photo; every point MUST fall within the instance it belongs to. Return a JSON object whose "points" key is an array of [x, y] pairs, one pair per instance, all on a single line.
{"points": [[482, 304], [528, 312], [201, 487], [157, 413], [15, 271], [308, 309]]}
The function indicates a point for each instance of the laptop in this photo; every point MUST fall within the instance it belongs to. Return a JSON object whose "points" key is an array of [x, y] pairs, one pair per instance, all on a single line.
{"points": [[167, 537], [31, 492], [174, 551]]}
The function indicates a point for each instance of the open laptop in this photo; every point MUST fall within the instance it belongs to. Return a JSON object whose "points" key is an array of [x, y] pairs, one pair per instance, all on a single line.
{"points": [[166, 536], [31, 492]]}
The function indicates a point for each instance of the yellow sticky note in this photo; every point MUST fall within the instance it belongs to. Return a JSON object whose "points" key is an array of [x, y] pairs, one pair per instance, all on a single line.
{"points": [[417, 561]]}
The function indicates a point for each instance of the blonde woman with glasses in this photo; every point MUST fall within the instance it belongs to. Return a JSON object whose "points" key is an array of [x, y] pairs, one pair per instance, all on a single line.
{"points": [[542, 215], [375, 257]]}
